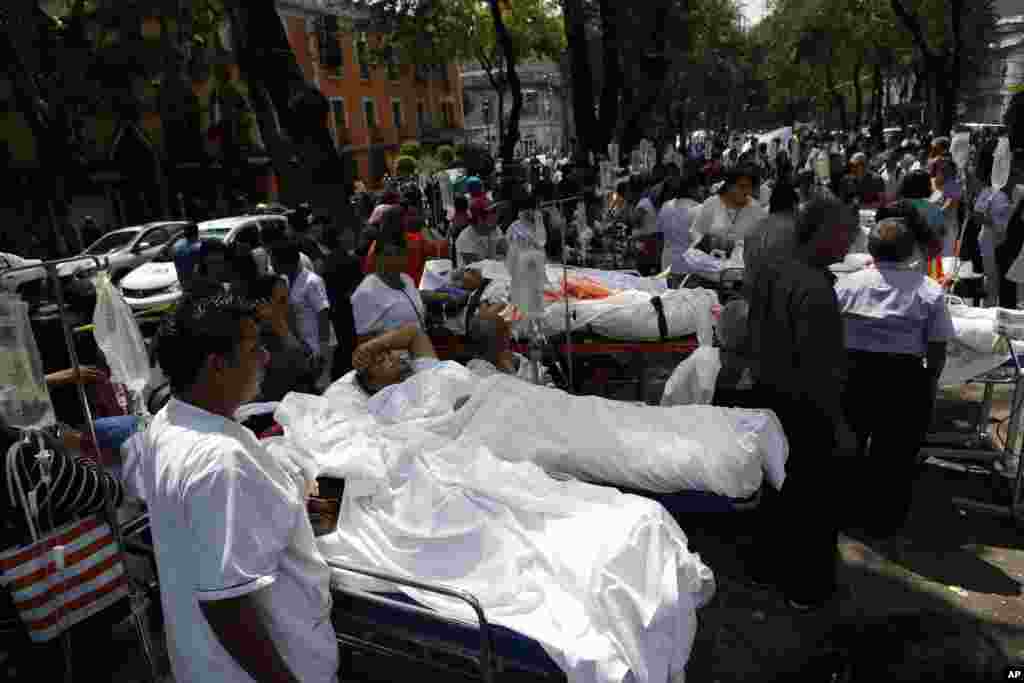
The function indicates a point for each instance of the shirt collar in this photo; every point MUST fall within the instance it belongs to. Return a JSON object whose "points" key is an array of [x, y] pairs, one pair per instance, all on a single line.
{"points": [[190, 412]]}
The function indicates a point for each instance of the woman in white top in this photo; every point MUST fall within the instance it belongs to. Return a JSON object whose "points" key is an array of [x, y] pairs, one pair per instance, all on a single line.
{"points": [[675, 218], [726, 218], [946, 194], [387, 299]]}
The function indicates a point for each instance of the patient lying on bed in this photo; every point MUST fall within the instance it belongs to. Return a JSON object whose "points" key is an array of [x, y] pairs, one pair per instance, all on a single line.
{"points": [[663, 450]]}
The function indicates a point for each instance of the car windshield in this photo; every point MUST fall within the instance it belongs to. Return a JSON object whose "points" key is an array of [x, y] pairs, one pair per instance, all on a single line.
{"points": [[166, 255], [111, 242], [214, 234]]}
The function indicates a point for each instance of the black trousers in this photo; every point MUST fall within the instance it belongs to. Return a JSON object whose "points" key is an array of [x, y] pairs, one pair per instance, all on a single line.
{"points": [[797, 530], [1006, 254], [888, 405]]}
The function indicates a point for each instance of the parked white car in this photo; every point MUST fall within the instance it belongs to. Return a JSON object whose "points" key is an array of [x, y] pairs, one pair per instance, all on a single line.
{"points": [[156, 282], [12, 282], [120, 250]]}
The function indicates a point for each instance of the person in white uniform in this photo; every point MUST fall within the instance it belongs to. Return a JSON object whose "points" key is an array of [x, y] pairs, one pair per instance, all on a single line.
{"points": [[245, 592], [992, 213], [674, 222], [481, 239], [388, 298], [310, 306], [725, 218]]}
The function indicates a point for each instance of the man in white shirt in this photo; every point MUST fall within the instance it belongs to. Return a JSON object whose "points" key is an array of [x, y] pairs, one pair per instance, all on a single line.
{"points": [[480, 240], [309, 303], [245, 592]]}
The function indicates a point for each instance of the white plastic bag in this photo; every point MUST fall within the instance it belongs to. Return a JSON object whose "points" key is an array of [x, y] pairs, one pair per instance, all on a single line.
{"points": [[694, 379], [24, 397], [960, 149], [1001, 163], [118, 336]]}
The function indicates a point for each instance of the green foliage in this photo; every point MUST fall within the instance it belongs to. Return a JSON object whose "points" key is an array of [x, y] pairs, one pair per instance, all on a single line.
{"points": [[463, 30], [411, 149], [429, 165], [405, 165], [445, 155], [803, 40]]}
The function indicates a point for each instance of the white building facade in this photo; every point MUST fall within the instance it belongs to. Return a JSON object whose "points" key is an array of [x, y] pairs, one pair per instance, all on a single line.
{"points": [[544, 121]]}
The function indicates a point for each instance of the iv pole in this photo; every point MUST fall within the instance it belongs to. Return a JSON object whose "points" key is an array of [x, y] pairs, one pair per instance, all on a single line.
{"points": [[565, 280], [108, 503]]}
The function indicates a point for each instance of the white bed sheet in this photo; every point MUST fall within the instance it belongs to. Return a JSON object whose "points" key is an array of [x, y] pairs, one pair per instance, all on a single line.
{"points": [[626, 315], [422, 505]]}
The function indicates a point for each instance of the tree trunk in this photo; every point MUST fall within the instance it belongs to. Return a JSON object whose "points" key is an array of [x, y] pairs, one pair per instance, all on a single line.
{"points": [[579, 65], [612, 86], [501, 120], [306, 160], [951, 85], [504, 40], [877, 102], [651, 80], [858, 94], [20, 29]]}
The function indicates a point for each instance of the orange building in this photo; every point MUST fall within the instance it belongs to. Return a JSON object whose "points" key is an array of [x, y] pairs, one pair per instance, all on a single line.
{"points": [[375, 108]]}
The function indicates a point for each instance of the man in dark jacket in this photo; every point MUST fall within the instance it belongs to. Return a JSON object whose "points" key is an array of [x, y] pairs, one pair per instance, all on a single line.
{"points": [[796, 344]]}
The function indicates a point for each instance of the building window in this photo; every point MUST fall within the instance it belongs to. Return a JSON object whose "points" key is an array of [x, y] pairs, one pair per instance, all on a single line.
{"points": [[396, 112], [392, 65], [370, 112], [531, 104], [363, 55], [339, 117], [331, 56]]}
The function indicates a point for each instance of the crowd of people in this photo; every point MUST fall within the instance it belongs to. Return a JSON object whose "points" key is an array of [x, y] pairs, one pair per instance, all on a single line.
{"points": [[246, 595]]}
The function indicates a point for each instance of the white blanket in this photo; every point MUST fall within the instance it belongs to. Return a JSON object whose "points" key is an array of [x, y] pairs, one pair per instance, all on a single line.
{"points": [[602, 605], [658, 449], [612, 279], [631, 316], [627, 315], [423, 505]]}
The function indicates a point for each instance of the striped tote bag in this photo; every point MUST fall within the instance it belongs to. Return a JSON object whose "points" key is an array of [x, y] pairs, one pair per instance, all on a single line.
{"points": [[63, 576]]}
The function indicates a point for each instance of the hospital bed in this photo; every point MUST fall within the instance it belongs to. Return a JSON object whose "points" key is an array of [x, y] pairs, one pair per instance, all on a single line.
{"points": [[382, 625], [389, 626]]}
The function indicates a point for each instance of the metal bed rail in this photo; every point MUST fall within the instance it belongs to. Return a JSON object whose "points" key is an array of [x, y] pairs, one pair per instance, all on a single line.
{"points": [[486, 660]]}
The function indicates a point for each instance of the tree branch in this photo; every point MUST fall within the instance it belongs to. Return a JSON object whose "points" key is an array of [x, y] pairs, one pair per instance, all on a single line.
{"points": [[913, 25]]}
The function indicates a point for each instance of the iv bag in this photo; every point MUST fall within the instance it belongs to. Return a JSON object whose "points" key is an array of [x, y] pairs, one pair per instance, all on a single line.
{"points": [[960, 149], [822, 166], [118, 336], [526, 264], [1001, 163], [24, 397]]}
